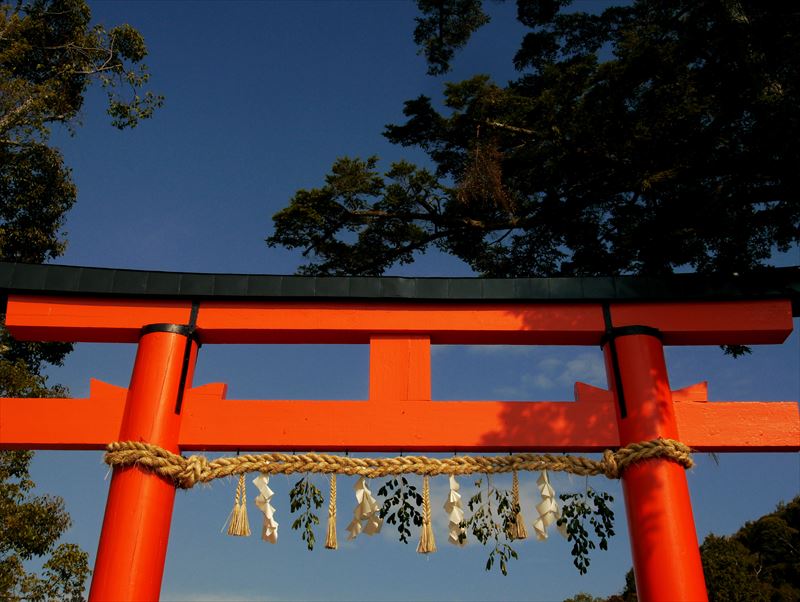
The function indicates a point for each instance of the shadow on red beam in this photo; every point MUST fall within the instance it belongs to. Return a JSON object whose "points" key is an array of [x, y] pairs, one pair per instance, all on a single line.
{"points": [[383, 426], [213, 423]]}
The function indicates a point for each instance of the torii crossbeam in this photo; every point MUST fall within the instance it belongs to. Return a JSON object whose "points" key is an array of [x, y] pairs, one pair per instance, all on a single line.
{"points": [[171, 314]]}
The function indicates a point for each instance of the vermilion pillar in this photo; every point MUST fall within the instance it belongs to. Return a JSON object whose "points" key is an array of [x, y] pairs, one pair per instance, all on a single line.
{"points": [[133, 542], [666, 559]]}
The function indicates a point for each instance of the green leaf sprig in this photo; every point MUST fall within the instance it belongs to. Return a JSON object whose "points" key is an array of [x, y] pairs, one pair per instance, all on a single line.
{"points": [[580, 508], [490, 526], [402, 495], [303, 496]]}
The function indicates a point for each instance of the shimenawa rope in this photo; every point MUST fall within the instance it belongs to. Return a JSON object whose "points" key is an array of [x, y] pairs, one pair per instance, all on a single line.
{"points": [[185, 473]]}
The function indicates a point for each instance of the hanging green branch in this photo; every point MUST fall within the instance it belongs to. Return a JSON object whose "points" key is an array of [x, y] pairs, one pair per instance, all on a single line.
{"points": [[578, 508], [403, 493], [490, 526], [303, 496]]}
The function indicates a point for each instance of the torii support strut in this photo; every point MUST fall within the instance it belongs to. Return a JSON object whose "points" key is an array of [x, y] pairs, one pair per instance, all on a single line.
{"points": [[159, 407]]}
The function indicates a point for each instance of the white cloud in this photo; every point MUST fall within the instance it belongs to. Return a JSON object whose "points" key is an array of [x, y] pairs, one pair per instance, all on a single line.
{"points": [[553, 372], [586, 367]]}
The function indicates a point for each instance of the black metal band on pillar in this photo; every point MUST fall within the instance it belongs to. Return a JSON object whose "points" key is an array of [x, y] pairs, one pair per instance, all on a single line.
{"points": [[192, 327], [181, 329], [609, 338], [190, 332]]}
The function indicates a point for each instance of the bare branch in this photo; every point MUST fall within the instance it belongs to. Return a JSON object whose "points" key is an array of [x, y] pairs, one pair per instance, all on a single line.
{"points": [[502, 237], [387, 214], [511, 128], [438, 219]]}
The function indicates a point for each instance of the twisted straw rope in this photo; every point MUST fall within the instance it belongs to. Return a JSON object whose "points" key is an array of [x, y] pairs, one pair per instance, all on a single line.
{"points": [[185, 473], [517, 529], [330, 539], [332, 498]]}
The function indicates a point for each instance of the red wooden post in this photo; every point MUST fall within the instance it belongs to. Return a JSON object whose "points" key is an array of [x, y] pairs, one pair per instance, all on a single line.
{"points": [[133, 542], [666, 559]]}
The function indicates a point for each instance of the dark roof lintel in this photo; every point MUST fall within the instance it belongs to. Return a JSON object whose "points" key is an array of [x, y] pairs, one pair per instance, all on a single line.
{"points": [[51, 279]]}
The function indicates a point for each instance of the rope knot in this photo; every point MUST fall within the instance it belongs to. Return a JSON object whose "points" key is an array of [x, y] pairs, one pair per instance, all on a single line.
{"points": [[609, 464], [648, 450], [191, 472]]}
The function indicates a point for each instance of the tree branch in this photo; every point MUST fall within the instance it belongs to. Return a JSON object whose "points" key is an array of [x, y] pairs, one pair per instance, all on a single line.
{"points": [[442, 220], [8, 120], [510, 128]]}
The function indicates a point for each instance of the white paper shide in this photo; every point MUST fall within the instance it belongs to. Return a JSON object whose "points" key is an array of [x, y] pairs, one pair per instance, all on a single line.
{"points": [[269, 531], [366, 518], [455, 515], [548, 509]]}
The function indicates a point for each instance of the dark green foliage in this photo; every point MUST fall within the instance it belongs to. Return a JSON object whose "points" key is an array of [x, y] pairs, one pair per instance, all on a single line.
{"points": [[400, 493], [307, 497], [30, 526], [35, 193], [446, 25], [490, 526], [737, 350], [730, 571], [584, 597], [761, 561], [355, 195], [628, 593], [578, 510], [49, 55], [638, 139], [773, 542]]}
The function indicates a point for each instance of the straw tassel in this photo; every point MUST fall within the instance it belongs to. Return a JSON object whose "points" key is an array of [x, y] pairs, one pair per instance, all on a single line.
{"points": [[240, 525], [427, 543], [330, 540], [517, 529]]}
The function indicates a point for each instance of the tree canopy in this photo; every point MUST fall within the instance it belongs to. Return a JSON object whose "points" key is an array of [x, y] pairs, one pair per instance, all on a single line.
{"points": [[49, 56], [640, 139], [761, 561]]}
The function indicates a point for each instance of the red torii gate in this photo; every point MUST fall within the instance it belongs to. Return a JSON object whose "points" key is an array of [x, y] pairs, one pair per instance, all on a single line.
{"points": [[170, 314]]}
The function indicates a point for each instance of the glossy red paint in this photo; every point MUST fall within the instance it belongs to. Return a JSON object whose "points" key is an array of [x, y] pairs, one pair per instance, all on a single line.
{"points": [[133, 541], [666, 557], [399, 413]]}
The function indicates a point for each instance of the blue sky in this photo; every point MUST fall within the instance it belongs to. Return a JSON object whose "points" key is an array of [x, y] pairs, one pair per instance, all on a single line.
{"points": [[260, 100]]}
